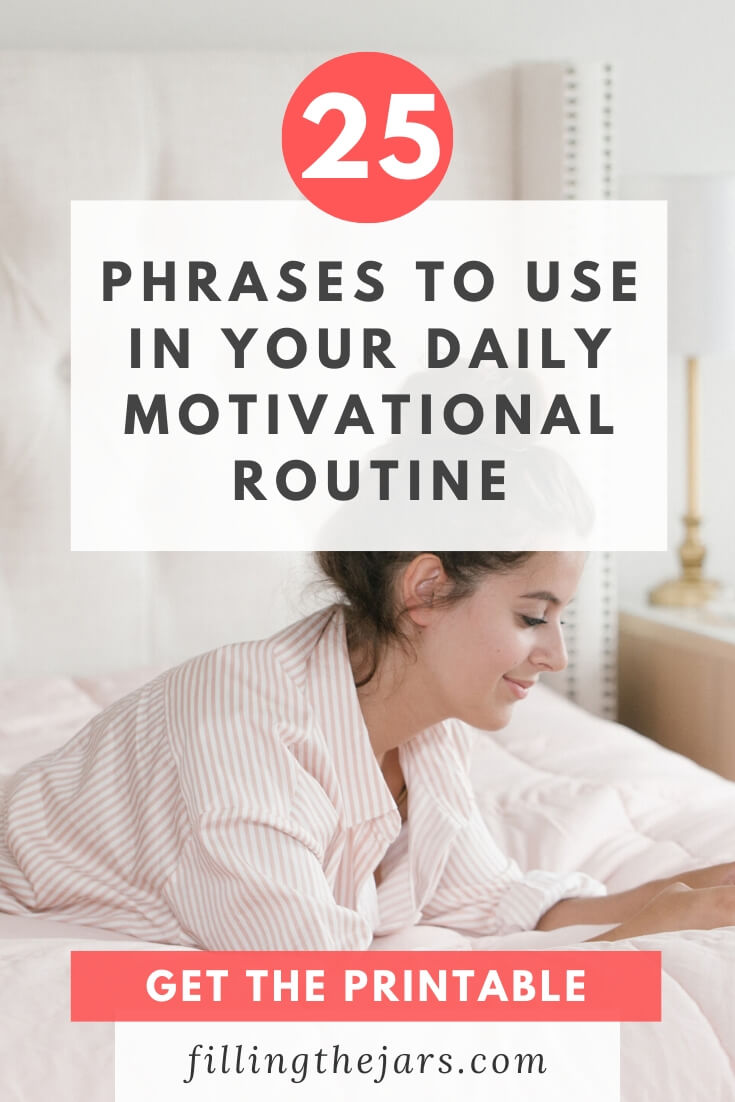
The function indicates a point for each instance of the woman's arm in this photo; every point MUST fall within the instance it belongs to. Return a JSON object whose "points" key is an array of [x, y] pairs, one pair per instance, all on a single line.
{"points": [[241, 885], [702, 899]]}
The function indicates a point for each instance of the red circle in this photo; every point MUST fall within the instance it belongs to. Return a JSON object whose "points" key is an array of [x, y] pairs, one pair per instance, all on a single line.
{"points": [[378, 82]]}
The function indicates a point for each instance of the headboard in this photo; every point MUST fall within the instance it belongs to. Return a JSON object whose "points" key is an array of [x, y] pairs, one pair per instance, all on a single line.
{"points": [[157, 126]]}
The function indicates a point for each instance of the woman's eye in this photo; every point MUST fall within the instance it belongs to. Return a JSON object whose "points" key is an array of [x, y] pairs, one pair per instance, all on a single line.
{"points": [[533, 621]]}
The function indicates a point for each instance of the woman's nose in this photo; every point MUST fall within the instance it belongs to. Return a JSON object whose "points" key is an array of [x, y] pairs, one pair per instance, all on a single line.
{"points": [[551, 654]]}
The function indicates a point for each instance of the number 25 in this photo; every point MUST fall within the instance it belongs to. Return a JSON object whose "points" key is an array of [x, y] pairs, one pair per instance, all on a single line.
{"points": [[331, 165]]}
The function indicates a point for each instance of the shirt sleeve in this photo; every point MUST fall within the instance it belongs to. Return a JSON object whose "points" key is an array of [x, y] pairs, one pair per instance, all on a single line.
{"points": [[260, 825], [251, 886], [482, 891]]}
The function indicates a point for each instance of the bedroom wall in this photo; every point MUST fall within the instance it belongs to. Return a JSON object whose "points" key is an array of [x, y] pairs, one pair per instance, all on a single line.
{"points": [[675, 104]]}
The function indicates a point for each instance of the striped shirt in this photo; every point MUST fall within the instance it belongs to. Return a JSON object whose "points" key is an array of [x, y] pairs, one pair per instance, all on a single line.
{"points": [[235, 802]]}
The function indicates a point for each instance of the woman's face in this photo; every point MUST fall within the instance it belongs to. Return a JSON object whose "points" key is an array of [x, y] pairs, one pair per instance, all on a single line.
{"points": [[484, 654]]}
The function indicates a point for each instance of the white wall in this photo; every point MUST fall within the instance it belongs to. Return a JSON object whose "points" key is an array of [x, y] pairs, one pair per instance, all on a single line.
{"points": [[676, 105]]}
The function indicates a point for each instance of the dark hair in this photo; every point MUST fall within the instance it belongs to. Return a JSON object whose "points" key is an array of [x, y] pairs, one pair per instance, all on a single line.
{"points": [[366, 580]]}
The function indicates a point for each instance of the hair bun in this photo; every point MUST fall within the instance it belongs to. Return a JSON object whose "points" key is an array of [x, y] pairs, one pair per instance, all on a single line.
{"points": [[366, 581]]}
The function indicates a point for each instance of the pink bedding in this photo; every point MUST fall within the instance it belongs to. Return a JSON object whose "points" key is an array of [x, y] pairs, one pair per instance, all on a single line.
{"points": [[560, 789]]}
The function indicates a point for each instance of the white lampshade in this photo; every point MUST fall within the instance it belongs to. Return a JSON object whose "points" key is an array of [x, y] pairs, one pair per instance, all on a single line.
{"points": [[701, 259]]}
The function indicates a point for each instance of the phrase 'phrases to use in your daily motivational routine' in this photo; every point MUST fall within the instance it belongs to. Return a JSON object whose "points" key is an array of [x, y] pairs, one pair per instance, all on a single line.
{"points": [[260, 375]]}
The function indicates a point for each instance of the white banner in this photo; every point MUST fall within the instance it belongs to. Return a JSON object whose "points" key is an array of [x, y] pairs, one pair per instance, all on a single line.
{"points": [[328, 1062], [261, 376]]}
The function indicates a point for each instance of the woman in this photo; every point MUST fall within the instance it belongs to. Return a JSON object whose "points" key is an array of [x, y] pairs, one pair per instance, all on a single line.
{"points": [[253, 797]]}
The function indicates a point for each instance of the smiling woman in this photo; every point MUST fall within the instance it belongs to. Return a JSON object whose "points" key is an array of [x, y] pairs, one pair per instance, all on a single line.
{"points": [[311, 790], [475, 628]]}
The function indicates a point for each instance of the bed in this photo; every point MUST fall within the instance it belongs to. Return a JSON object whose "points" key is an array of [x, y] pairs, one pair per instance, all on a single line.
{"points": [[560, 789]]}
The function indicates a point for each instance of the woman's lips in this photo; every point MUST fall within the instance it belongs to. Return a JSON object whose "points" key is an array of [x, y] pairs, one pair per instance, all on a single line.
{"points": [[519, 689]]}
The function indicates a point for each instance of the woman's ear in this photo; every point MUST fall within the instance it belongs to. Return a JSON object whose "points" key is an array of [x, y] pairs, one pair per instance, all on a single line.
{"points": [[424, 581], [426, 589]]}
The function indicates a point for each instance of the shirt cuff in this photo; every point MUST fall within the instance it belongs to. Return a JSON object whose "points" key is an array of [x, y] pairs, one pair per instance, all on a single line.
{"points": [[526, 900]]}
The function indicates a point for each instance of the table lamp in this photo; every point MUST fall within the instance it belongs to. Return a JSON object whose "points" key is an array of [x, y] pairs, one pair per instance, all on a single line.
{"points": [[701, 323]]}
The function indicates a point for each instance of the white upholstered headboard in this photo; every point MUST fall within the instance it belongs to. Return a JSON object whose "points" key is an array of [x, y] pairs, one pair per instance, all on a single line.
{"points": [[204, 125], [566, 123]]}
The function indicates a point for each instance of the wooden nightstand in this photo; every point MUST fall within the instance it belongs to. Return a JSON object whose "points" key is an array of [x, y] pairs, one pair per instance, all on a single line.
{"points": [[676, 673]]}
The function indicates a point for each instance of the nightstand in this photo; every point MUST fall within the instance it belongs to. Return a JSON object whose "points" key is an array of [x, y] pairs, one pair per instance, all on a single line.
{"points": [[676, 670]]}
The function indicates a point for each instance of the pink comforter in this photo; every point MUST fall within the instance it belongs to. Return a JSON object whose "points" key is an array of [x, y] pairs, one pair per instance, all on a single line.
{"points": [[559, 788]]}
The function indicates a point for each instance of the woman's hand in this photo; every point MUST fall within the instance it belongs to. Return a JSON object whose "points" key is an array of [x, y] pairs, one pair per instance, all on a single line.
{"points": [[624, 907], [710, 877], [680, 907]]}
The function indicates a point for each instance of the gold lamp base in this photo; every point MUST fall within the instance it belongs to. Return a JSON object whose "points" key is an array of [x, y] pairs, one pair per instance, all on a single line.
{"points": [[684, 592], [691, 590]]}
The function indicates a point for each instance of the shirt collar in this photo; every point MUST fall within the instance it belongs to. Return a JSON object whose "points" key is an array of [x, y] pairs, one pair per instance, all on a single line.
{"points": [[333, 696]]}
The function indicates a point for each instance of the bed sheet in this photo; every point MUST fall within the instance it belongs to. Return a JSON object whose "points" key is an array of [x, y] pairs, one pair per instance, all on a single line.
{"points": [[559, 788]]}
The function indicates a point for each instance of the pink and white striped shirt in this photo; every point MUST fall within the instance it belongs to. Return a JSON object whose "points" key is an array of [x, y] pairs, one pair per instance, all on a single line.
{"points": [[235, 803]]}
